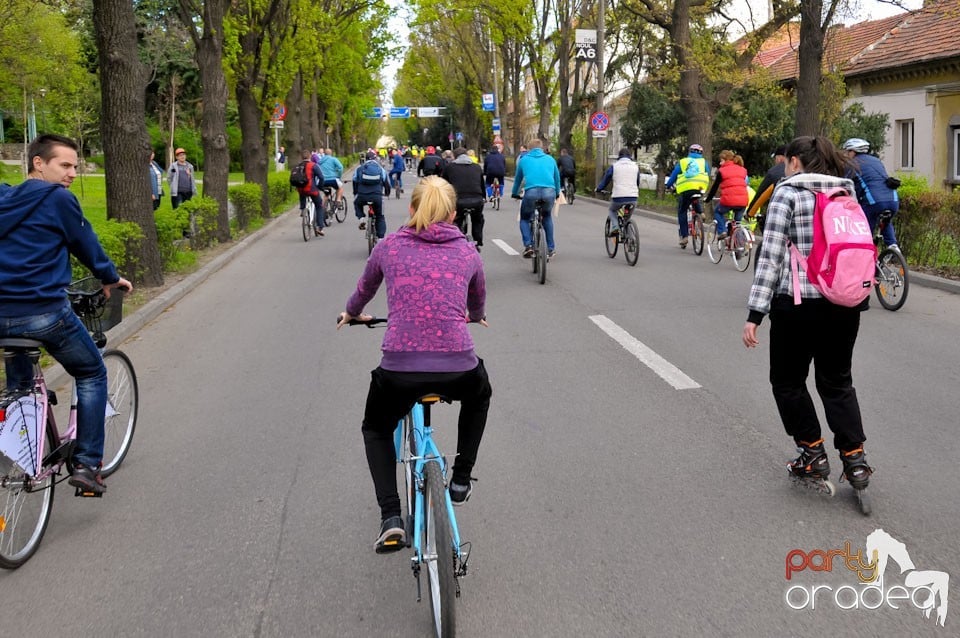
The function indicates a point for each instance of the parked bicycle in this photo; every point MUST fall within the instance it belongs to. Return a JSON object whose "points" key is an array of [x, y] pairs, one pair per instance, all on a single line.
{"points": [[34, 454], [893, 276], [431, 525], [628, 235], [738, 243]]}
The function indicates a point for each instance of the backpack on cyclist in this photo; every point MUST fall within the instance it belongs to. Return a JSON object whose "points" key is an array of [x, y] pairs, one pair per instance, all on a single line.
{"points": [[370, 172], [298, 175], [841, 265]]}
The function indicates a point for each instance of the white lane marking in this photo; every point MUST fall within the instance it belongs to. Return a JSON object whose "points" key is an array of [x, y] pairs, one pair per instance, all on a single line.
{"points": [[505, 247], [666, 370]]}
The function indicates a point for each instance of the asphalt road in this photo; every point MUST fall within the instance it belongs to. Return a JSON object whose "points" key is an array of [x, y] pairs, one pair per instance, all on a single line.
{"points": [[609, 502]]}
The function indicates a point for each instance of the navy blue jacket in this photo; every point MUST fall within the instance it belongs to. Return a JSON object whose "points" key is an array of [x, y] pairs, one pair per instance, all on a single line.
{"points": [[41, 225], [495, 165]]}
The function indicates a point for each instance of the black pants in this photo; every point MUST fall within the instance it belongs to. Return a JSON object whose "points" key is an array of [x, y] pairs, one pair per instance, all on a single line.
{"points": [[391, 396], [825, 334], [475, 210], [179, 198]]}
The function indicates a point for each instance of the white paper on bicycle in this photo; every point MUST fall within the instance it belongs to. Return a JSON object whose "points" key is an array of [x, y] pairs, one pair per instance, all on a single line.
{"points": [[19, 432]]}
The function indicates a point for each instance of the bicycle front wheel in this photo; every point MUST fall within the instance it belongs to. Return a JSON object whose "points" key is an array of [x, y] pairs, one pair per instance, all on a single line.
{"points": [[25, 506], [697, 235], [714, 246], [341, 210], [439, 553], [371, 234], [742, 246], [123, 402], [631, 242], [496, 202], [893, 279], [611, 242]]}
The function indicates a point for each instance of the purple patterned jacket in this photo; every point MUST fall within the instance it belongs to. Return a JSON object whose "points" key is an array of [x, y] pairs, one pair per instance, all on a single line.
{"points": [[434, 283]]}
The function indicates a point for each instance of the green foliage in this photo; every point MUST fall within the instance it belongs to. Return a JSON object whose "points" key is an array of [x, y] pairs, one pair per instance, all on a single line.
{"points": [[280, 192], [653, 117], [121, 242], [246, 202], [172, 224], [202, 212], [854, 121], [758, 119], [928, 226]]}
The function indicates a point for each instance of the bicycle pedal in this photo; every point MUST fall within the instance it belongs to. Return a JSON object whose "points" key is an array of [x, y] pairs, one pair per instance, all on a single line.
{"points": [[80, 492]]}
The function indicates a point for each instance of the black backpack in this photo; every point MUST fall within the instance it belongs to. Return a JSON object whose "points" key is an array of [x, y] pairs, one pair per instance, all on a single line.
{"points": [[298, 175]]}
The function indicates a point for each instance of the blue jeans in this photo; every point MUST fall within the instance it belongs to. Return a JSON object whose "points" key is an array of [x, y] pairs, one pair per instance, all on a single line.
{"points": [[872, 211], [720, 216], [615, 204], [358, 204], [67, 341], [527, 206], [398, 183]]}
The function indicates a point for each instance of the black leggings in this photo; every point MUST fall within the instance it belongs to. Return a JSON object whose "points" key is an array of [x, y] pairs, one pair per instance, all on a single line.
{"points": [[392, 394], [825, 334]]}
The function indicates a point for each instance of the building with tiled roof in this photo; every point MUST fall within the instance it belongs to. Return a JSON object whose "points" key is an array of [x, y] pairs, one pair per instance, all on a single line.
{"points": [[907, 66]]}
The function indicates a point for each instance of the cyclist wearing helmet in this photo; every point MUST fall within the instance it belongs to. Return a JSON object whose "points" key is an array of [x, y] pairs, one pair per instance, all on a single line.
{"points": [[431, 164], [873, 186], [690, 175]]}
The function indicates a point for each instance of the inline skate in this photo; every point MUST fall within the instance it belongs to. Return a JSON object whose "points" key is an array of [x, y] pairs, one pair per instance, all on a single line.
{"points": [[857, 473], [812, 468]]}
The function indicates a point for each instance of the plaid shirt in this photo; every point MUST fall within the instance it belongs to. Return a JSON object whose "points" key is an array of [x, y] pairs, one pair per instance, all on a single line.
{"points": [[789, 219]]}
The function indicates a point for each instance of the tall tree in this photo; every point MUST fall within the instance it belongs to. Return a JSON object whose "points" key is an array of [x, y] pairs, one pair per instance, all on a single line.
{"points": [[208, 41], [126, 145], [814, 22]]}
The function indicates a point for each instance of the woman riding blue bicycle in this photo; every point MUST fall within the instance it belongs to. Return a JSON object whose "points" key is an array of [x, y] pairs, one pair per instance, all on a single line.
{"points": [[435, 285]]}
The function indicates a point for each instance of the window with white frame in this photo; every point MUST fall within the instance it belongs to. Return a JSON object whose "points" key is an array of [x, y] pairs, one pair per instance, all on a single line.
{"points": [[905, 135], [956, 154]]}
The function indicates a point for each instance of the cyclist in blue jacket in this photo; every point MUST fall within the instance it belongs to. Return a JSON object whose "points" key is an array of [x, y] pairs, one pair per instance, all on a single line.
{"points": [[873, 186], [540, 176], [41, 225]]}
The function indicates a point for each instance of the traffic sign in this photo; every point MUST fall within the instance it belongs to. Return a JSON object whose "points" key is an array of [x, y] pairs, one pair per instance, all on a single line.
{"points": [[498, 140], [374, 112], [487, 100], [496, 126], [399, 111], [599, 133], [599, 121], [276, 123], [429, 111], [279, 112]]}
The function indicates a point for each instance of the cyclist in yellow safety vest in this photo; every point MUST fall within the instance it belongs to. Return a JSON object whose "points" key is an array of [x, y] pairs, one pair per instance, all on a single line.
{"points": [[690, 175]]}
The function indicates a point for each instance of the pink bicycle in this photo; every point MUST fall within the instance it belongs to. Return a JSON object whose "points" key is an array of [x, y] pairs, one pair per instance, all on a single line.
{"points": [[34, 452]]}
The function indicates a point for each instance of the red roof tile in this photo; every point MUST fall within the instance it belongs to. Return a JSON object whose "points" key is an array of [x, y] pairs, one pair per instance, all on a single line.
{"points": [[929, 34]]}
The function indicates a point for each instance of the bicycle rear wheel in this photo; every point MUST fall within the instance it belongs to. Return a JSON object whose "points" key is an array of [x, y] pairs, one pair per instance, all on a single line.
{"points": [[697, 235], [25, 506], [341, 210], [123, 402], [631, 242], [893, 279], [541, 255], [439, 553], [714, 246], [371, 233], [305, 224], [742, 246]]}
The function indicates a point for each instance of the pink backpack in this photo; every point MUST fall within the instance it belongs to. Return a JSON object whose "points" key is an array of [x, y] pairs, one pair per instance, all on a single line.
{"points": [[842, 263]]}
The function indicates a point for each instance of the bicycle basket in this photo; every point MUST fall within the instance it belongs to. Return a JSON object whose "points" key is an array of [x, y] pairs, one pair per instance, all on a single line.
{"points": [[97, 312]]}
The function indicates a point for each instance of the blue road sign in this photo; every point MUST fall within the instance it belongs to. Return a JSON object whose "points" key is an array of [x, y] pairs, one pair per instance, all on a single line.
{"points": [[374, 112], [399, 111]]}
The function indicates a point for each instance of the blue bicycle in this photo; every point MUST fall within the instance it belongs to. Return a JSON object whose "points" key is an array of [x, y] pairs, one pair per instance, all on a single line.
{"points": [[431, 525]]}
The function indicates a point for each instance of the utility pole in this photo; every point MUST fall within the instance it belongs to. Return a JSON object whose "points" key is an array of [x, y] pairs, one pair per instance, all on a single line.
{"points": [[601, 141]]}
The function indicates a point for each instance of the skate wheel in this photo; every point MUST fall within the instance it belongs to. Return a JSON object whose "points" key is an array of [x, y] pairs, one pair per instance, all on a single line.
{"points": [[829, 488], [863, 502]]}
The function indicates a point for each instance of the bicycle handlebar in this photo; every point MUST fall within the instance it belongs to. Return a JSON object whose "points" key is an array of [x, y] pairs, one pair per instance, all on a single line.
{"points": [[370, 324]]}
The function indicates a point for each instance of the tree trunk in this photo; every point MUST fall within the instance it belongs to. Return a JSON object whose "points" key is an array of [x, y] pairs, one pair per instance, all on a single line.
{"points": [[251, 148], [126, 145], [810, 68], [213, 122]]}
